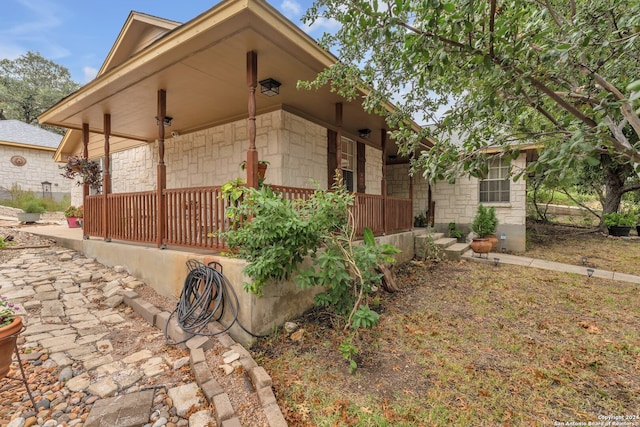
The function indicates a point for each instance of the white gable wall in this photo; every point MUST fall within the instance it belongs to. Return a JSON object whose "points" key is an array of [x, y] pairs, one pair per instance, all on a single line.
{"points": [[40, 167]]}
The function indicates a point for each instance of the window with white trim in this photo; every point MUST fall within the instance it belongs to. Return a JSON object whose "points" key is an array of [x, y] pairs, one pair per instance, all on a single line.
{"points": [[495, 188], [348, 162]]}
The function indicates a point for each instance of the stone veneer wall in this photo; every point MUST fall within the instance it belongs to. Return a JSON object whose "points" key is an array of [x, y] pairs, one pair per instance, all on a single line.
{"points": [[373, 170], [40, 167], [295, 148], [398, 186], [458, 203]]}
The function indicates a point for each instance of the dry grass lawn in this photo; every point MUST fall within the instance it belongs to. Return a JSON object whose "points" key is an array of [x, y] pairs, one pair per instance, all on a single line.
{"points": [[471, 344]]}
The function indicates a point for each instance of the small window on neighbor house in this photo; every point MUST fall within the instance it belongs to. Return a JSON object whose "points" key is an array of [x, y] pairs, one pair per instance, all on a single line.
{"points": [[495, 188], [348, 162]]}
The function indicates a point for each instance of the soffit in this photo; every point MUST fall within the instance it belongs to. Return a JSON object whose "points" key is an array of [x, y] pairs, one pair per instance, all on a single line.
{"points": [[202, 67]]}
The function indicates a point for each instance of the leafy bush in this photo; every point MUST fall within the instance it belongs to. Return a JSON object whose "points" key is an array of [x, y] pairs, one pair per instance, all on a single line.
{"points": [[33, 206], [281, 233], [485, 222], [620, 219]]}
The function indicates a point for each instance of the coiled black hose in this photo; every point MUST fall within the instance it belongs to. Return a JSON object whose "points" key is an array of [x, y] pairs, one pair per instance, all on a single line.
{"points": [[204, 295]]}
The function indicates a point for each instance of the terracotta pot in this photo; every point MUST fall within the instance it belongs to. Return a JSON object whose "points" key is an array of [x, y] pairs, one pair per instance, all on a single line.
{"points": [[74, 222], [481, 246], [262, 170], [493, 239], [8, 336]]}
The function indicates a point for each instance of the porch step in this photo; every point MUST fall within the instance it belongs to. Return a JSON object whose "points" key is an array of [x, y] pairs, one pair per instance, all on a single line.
{"points": [[456, 250], [445, 242]]}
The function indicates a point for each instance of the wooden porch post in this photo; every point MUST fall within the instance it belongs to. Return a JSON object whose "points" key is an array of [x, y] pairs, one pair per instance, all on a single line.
{"points": [[252, 153], [106, 179], [383, 182], [85, 155], [162, 170], [339, 139]]}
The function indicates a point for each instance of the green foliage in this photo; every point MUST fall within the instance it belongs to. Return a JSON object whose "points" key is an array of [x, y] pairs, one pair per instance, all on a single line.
{"points": [[281, 233], [33, 206], [453, 232], [2, 242], [21, 198], [30, 84], [420, 220], [558, 74], [620, 219], [485, 221], [74, 212]]}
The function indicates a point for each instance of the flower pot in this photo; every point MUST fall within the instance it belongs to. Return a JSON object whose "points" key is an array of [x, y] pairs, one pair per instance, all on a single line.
{"points": [[74, 222], [28, 217], [262, 171], [494, 241], [619, 230], [8, 336], [481, 246]]}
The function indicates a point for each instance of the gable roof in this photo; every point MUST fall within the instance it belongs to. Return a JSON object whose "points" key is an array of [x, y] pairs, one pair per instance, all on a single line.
{"points": [[17, 133], [202, 67]]}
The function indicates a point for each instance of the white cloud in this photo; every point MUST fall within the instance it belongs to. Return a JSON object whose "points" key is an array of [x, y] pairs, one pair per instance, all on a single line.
{"points": [[88, 73], [322, 25], [291, 9]]}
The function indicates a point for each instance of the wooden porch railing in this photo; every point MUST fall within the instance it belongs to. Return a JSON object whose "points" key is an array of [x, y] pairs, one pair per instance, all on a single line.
{"points": [[196, 215]]}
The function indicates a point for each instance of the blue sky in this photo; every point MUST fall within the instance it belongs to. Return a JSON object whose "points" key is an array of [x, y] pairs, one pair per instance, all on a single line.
{"points": [[78, 34]]}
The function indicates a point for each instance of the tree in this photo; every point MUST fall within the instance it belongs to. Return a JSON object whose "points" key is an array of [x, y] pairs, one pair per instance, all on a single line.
{"points": [[563, 74], [30, 84]]}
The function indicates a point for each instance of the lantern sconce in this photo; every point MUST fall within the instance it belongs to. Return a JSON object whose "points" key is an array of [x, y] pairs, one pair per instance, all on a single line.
{"points": [[269, 87], [364, 133], [166, 120]]}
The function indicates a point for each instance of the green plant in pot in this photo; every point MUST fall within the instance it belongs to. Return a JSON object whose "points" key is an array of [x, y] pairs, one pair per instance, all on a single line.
{"points": [[454, 232], [620, 223], [74, 216], [484, 225], [31, 212]]}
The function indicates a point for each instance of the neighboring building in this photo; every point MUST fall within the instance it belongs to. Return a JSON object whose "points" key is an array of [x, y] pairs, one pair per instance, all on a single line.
{"points": [[26, 160]]}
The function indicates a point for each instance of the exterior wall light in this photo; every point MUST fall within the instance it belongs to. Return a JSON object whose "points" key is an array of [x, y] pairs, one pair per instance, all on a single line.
{"points": [[364, 133], [166, 120], [269, 87]]}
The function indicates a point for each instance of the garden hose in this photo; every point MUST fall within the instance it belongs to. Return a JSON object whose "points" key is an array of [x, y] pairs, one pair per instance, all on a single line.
{"points": [[204, 295]]}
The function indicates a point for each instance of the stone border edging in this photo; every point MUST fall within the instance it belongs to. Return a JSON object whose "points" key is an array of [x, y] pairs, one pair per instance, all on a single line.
{"points": [[197, 345]]}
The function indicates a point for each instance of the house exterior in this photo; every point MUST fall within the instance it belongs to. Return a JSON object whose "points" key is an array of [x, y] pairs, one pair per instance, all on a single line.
{"points": [[26, 159], [176, 108]]}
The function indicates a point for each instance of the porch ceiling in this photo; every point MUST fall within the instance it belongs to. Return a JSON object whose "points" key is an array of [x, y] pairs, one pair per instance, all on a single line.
{"points": [[202, 67]]}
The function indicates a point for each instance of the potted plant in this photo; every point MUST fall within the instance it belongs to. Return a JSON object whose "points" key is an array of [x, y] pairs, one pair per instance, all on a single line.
{"points": [[262, 169], [454, 232], [83, 170], [619, 223], [420, 220], [10, 326], [31, 212], [74, 216], [484, 225]]}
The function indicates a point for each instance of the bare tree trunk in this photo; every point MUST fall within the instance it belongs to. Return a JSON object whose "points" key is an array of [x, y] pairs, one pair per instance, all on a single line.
{"points": [[614, 179]]}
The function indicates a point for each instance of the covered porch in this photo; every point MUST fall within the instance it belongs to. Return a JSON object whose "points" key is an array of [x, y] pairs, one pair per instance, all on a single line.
{"points": [[190, 100]]}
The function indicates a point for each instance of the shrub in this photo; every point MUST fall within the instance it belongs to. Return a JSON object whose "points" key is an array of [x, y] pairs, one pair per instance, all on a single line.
{"points": [[485, 222], [620, 219]]}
